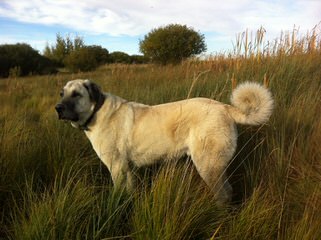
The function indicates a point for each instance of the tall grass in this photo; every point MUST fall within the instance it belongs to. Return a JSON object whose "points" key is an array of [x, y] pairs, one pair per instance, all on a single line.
{"points": [[53, 186], [177, 206]]}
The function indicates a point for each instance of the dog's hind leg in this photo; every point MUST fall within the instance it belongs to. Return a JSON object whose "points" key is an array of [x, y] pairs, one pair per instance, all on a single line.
{"points": [[211, 159]]}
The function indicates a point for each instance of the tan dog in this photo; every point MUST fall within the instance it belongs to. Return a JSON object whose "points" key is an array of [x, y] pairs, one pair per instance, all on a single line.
{"points": [[123, 132]]}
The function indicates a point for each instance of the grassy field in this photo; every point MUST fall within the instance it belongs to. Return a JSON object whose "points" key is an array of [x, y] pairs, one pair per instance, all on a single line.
{"points": [[53, 186]]}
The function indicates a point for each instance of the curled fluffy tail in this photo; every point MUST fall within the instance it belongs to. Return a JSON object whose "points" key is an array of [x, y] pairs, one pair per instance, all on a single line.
{"points": [[252, 104]]}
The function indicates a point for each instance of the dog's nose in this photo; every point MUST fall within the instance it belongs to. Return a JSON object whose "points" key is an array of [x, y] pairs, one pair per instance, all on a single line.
{"points": [[59, 107]]}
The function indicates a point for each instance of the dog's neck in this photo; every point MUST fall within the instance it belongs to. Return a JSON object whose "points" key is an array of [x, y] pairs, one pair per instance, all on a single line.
{"points": [[98, 105]]}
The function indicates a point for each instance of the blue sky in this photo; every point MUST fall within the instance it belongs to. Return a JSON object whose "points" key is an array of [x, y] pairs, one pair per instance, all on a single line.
{"points": [[118, 25]]}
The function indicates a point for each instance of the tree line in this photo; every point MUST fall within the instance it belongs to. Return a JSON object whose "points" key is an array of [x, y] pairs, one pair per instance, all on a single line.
{"points": [[164, 45]]}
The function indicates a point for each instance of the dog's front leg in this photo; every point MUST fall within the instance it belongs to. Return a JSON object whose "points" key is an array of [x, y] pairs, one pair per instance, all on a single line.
{"points": [[122, 175]]}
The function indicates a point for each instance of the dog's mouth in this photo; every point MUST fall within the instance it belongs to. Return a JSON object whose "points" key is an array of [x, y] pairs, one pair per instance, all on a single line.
{"points": [[61, 116]]}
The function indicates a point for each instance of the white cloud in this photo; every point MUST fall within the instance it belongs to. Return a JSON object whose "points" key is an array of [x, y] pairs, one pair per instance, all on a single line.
{"points": [[135, 18]]}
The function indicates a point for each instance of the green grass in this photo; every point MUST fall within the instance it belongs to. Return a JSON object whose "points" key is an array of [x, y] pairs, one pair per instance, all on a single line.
{"points": [[53, 186]]}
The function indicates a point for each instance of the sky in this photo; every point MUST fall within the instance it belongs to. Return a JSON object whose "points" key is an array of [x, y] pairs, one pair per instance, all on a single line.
{"points": [[119, 25]]}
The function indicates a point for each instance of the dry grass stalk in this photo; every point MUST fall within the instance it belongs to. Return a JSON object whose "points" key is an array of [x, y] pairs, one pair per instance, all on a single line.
{"points": [[266, 81], [195, 78], [234, 81]]}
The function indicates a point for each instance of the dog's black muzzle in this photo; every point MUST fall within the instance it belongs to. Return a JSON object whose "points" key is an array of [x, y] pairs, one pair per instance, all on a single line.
{"points": [[60, 108], [65, 113]]}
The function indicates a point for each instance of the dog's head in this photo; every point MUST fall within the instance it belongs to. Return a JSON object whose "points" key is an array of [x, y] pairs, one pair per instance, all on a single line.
{"points": [[80, 99]]}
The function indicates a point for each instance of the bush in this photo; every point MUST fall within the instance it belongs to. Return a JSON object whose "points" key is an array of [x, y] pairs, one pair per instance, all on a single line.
{"points": [[172, 44], [138, 59], [119, 57], [83, 59], [86, 58], [101, 54], [22, 59]]}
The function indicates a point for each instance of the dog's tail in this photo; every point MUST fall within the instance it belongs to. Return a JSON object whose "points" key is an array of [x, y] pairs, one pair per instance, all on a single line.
{"points": [[252, 104]]}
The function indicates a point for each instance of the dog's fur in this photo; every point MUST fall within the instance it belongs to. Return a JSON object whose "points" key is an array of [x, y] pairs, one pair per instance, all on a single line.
{"points": [[125, 133]]}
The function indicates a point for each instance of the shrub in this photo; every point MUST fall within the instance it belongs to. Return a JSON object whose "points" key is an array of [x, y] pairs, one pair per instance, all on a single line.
{"points": [[82, 59], [86, 58], [138, 59], [119, 57], [23, 57], [101, 54]]}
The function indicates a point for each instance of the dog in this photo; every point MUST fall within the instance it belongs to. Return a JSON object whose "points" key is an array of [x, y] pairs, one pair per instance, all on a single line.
{"points": [[126, 134]]}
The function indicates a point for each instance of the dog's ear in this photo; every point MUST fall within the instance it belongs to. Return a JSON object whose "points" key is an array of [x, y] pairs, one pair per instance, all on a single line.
{"points": [[94, 91]]}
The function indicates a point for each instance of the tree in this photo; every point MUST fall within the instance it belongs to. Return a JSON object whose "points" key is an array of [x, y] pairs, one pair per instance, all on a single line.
{"points": [[62, 48], [172, 44], [75, 55]]}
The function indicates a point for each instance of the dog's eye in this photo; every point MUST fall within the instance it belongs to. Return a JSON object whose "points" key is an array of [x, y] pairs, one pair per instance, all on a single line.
{"points": [[75, 94], [61, 93]]}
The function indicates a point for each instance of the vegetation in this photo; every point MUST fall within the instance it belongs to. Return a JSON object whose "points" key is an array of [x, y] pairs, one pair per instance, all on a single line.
{"points": [[53, 186], [119, 57], [78, 57], [63, 47], [21, 59], [172, 44], [75, 55], [86, 58]]}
